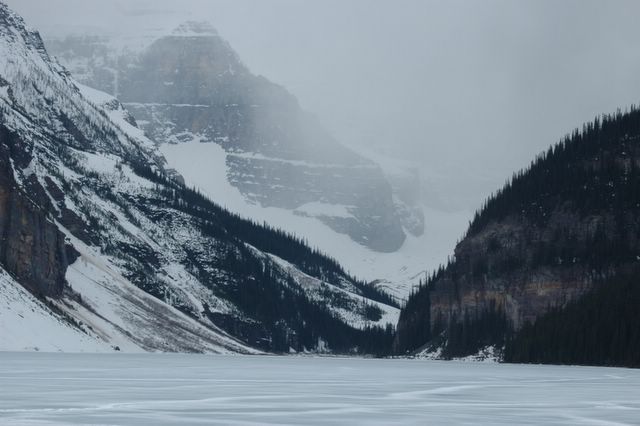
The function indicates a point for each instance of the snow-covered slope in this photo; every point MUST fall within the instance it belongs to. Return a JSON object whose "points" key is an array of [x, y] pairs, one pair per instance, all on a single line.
{"points": [[190, 87], [131, 254], [26, 323]]}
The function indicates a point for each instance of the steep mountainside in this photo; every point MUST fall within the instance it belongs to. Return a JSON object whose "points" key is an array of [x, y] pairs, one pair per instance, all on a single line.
{"points": [[569, 223], [119, 250], [190, 88]]}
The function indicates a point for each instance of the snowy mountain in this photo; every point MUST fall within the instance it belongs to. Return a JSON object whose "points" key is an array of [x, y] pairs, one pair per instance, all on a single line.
{"points": [[114, 248], [190, 88], [244, 142]]}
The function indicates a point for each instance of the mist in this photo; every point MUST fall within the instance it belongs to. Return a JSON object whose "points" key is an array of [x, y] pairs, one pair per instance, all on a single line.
{"points": [[470, 91]]}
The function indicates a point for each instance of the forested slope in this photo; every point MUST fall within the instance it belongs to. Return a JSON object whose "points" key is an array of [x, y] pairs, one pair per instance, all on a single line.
{"points": [[567, 224]]}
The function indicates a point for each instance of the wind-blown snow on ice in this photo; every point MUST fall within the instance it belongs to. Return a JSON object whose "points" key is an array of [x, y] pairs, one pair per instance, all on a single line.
{"points": [[170, 389]]}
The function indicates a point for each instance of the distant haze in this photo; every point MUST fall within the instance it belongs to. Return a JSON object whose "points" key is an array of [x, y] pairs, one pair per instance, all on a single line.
{"points": [[470, 90]]}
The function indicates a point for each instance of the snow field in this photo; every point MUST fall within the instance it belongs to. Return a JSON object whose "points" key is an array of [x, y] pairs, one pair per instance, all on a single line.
{"points": [[172, 389]]}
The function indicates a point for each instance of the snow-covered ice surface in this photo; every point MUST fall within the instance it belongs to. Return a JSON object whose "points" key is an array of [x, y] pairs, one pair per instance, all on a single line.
{"points": [[170, 389]]}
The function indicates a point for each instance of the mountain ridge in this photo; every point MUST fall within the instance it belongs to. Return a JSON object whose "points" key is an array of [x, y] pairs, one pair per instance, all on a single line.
{"points": [[153, 257], [196, 90]]}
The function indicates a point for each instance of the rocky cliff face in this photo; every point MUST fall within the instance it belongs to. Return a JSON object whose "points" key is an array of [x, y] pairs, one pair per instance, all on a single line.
{"points": [[191, 87], [495, 268], [569, 221], [32, 248]]}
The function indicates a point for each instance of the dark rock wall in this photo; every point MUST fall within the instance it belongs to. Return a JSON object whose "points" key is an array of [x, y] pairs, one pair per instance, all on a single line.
{"points": [[32, 248]]}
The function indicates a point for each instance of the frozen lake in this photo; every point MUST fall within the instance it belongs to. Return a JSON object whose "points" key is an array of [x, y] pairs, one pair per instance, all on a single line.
{"points": [[162, 389]]}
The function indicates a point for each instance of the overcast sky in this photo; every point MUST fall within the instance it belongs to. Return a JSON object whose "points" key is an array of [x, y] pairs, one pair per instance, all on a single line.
{"points": [[474, 87]]}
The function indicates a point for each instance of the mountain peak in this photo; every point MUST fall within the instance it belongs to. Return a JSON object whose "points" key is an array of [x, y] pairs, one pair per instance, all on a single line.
{"points": [[13, 29], [4, 9], [195, 29]]}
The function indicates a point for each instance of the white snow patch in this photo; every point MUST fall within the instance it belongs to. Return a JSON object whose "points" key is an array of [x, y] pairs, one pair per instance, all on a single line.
{"points": [[161, 104], [195, 29], [262, 157], [318, 209], [116, 112], [486, 354], [99, 163], [27, 324], [96, 96]]}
